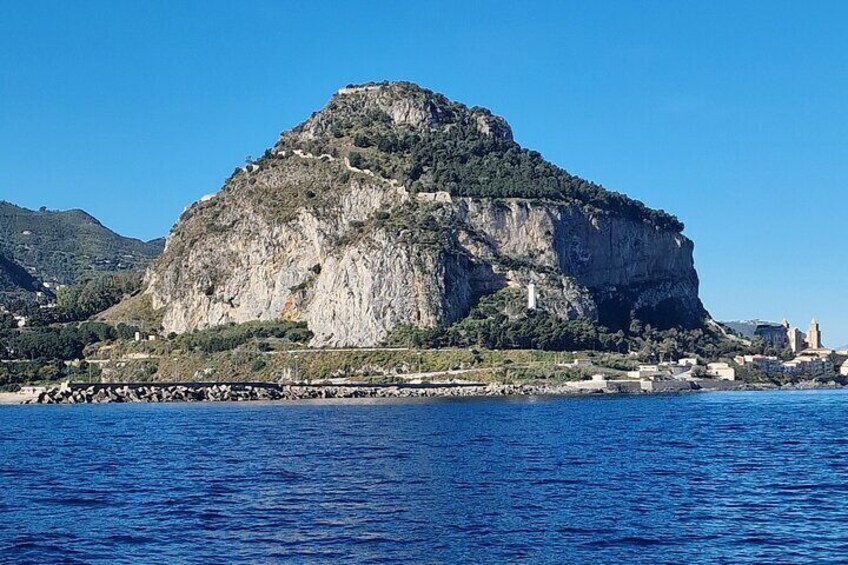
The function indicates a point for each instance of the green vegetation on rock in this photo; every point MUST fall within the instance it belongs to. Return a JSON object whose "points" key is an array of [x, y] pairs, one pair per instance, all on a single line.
{"points": [[496, 323], [96, 294], [226, 338], [445, 146]]}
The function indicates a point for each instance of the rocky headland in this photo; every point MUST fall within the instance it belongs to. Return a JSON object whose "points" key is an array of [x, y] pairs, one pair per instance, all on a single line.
{"points": [[393, 207]]}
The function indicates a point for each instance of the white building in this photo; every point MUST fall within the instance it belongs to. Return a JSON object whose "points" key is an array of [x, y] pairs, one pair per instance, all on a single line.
{"points": [[647, 372], [764, 363], [532, 299], [721, 371], [809, 366]]}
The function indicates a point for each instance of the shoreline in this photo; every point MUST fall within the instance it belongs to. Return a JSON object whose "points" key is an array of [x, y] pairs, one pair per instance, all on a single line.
{"points": [[154, 393]]}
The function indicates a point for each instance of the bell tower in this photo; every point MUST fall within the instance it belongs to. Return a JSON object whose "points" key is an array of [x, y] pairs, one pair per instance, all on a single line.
{"points": [[814, 335]]}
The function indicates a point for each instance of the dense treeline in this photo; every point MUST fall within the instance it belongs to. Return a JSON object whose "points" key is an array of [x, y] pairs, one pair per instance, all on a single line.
{"points": [[57, 335], [226, 338], [96, 294], [465, 163], [59, 342], [457, 158], [489, 327], [45, 352], [78, 302]]}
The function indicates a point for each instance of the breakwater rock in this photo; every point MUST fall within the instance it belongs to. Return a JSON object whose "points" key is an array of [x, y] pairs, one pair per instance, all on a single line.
{"points": [[104, 394]]}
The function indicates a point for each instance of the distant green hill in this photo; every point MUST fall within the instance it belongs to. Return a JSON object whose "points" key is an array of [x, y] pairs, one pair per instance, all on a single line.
{"points": [[66, 246]]}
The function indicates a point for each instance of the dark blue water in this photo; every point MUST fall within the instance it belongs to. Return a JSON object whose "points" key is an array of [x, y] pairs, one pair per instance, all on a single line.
{"points": [[719, 478]]}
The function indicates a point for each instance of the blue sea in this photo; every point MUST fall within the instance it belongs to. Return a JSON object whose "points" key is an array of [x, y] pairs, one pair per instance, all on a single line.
{"points": [[697, 478]]}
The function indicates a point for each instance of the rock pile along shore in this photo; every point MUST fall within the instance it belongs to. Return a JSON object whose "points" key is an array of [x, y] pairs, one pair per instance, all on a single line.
{"points": [[100, 394]]}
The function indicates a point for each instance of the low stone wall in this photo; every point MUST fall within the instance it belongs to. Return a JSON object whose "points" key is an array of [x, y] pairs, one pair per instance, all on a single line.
{"points": [[719, 384], [105, 393], [667, 386]]}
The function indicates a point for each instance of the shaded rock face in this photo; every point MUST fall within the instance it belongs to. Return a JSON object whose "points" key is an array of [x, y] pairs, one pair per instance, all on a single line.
{"points": [[15, 279], [626, 267], [305, 235]]}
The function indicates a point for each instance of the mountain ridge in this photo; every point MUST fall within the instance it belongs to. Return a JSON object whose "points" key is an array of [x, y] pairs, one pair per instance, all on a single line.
{"points": [[63, 247]]}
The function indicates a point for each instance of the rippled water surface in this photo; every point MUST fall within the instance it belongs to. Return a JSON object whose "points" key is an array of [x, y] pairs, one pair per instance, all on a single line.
{"points": [[719, 478]]}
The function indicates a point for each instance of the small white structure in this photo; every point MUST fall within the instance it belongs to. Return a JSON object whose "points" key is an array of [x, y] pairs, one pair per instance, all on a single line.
{"points": [[532, 298], [138, 336], [675, 369], [843, 370], [647, 372], [355, 89], [722, 371]]}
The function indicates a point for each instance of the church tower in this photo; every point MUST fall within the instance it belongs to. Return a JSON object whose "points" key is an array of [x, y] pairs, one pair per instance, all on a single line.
{"points": [[796, 340], [814, 336]]}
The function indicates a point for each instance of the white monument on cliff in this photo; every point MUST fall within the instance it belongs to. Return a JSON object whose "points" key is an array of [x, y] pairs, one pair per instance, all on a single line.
{"points": [[532, 298]]}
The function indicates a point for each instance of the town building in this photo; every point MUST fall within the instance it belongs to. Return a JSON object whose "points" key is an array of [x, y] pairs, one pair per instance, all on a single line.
{"points": [[721, 371], [809, 366], [766, 364], [674, 369], [647, 372], [773, 335]]}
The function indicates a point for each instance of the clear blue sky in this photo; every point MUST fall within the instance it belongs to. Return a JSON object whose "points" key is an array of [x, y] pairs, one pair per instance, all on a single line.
{"points": [[732, 115]]}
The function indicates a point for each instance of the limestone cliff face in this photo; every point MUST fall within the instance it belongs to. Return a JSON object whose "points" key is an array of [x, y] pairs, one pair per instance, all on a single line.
{"points": [[349, 225]]}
